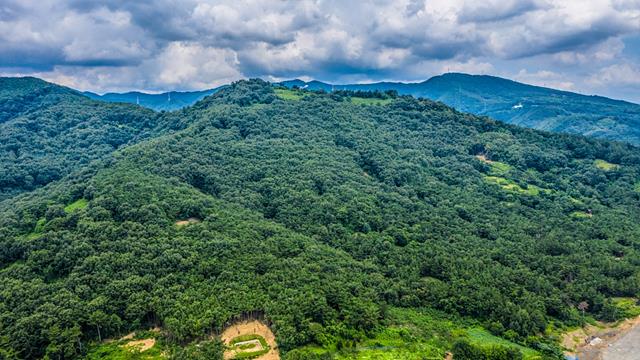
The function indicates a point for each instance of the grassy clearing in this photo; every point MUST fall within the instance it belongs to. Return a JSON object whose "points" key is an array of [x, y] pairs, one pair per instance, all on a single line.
{"points": [[581, 215], [287, 94], [415, 335], [497, 168], [480, 336], [78, 204], [370, 101], [116, 351], [512, 186], [604, 165], [629, 306], [245, 351]]}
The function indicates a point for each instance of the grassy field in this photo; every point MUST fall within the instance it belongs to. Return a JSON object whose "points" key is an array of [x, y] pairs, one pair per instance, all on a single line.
{"points": [[581, 215], [287, 94], [370, 101], [78, 204], [606, 166], [116, 351], [416, 335], [481, 336], [629, 306], [512, 186]]}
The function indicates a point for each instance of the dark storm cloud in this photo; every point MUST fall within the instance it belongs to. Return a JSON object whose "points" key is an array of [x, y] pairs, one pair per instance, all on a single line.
{"points": [[169, 44]]}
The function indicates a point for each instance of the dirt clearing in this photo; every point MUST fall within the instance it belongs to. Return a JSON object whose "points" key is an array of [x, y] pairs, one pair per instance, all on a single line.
{"points": [[189, 221], [251, 328], [141, 345], [604, 342]]}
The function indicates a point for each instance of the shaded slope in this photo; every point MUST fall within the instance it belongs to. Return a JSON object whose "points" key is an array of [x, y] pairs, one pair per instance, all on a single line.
{"points": [[47, 131]]}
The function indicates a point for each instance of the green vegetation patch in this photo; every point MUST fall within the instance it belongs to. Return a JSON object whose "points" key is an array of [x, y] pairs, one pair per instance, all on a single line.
{"points": [[287, 94], [604, 165], [78, 204], [482, 337], [370, 101], [630, 307], [581, 215], [512, 186], [245, 350], [414, 335], [117, 351]]}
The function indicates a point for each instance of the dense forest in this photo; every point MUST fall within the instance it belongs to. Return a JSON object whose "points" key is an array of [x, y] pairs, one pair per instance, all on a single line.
{"points": [[47, 131], [333, 214]]}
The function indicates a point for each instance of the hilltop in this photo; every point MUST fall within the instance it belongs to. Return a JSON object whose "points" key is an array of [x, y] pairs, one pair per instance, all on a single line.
{"points": [[516, 103]]}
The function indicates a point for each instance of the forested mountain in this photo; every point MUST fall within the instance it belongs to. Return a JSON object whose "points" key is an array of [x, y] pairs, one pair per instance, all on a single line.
{"points": [[48, 131], [326, 213], [506, 100], [168, 101], [516, 103]]}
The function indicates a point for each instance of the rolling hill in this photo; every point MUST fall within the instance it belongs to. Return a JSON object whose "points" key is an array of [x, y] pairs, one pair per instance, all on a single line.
{"points": [[502, 99], [48, 131], [355, 224], [516, 103]]}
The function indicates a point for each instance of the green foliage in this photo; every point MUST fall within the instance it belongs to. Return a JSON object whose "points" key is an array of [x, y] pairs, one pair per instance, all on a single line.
{"points": [[517, 103], [117, 351], [604, 165], [323, 217], [288, 94], [78, 204], [629, 307], [511, 185], [481, 337], [370, 101], [48, 131]]}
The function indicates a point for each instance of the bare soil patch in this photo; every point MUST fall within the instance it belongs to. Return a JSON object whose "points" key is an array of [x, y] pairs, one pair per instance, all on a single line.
{"points": [[187, 221], [249, 328], [483, 158], [590, 341], [141, 345]]}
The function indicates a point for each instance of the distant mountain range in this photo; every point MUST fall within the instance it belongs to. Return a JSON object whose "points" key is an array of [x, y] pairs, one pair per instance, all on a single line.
{"points": [[502, 99], [167, 101]]}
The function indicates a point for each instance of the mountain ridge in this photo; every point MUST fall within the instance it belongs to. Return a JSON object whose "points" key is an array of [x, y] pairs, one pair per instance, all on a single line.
{"points": [[506, 100], [321, 212]]}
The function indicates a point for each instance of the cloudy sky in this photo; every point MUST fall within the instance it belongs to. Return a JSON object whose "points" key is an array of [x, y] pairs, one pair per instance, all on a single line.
{"points": [[589, 46]]}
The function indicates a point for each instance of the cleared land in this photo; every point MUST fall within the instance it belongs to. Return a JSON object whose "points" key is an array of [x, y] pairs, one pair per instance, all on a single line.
{"points": [[249, 328], [604, 165], [286, 94], [620, 341], [133, 346], [188, 221]]}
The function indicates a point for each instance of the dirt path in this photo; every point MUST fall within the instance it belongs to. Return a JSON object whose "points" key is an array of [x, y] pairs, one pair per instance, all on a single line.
{"points": [[248, 328], [608, 342]]}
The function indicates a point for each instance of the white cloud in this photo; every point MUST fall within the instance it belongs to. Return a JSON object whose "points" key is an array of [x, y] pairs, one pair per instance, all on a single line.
{"points": [[616, 75], [545, 78], [125, 44]]}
